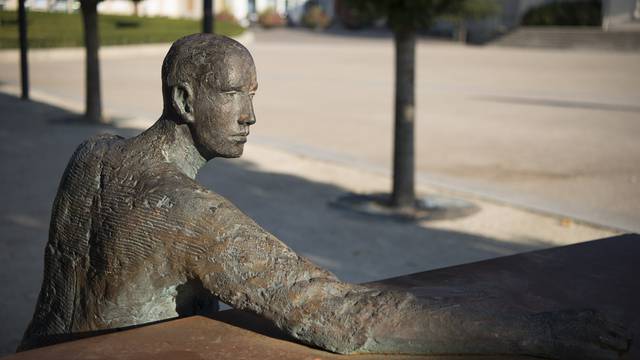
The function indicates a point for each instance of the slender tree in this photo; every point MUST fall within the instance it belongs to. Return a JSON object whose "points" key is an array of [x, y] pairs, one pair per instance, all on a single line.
{"points": [[24, 62], [136, 5], [405, 18], [208, 17], [403, 194], [93, 100]]}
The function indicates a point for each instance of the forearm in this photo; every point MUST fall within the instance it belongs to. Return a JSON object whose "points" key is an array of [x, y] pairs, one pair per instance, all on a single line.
{"points": [[337, 316], [252, 270], [347, 319], [419, 327]]}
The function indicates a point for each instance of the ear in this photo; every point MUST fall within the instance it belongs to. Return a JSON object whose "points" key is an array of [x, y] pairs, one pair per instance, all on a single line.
{"points": [[182, 101]]}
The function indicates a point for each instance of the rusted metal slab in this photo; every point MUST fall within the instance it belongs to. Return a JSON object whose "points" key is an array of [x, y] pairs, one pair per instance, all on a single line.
{"points": [[600, 275], [189, 339]]}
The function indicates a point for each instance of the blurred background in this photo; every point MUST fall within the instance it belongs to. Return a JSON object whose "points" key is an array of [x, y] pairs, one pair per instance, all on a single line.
{"points": [[525, 111]]}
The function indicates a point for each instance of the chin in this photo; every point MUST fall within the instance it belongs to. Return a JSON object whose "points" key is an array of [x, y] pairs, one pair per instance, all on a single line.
{"points": [[235, 153]]}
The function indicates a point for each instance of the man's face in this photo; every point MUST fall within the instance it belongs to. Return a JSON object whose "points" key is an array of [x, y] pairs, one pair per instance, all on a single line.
{"points": [[223, 108]]}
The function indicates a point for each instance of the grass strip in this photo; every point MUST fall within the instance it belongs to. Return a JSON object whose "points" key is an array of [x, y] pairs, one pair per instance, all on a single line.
{"points": [[47, 30]]}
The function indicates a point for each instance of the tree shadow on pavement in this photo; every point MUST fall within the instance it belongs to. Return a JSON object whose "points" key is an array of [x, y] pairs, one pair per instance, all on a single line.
{"points": [[36, 145]]}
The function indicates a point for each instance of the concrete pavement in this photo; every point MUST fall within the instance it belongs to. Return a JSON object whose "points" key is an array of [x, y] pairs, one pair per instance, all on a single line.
{"points": [[545, 129]]}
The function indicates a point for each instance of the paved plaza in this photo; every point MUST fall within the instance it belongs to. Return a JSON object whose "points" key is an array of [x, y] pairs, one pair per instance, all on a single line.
{"points": [[537, 129], [547, 129]]}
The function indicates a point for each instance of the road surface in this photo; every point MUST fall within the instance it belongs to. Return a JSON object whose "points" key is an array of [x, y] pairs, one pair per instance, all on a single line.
{"points": [[547, 129]]}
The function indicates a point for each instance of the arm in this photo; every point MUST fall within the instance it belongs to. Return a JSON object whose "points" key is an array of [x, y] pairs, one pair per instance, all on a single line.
{"points": [[252, 270]]}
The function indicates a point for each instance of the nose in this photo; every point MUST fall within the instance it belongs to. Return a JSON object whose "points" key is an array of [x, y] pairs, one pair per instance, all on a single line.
{"points": [[248, 117]]}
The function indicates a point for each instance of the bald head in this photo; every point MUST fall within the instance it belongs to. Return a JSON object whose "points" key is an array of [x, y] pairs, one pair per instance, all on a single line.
{"points": [[208, 83], [205, 62]]}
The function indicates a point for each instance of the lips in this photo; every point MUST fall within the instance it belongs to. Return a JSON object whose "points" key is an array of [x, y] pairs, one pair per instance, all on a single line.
{"points": [[240, 138]]}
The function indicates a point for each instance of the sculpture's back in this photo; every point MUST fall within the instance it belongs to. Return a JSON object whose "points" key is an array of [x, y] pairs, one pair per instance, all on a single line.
{"points": [[66, 253]]}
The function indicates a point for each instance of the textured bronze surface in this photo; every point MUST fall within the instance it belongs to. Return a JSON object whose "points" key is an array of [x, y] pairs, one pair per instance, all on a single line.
{"points": [[135, 239], [598, 274]]}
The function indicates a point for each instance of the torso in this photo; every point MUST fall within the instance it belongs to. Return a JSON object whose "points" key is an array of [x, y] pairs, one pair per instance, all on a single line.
{"points": [[118, 231]]}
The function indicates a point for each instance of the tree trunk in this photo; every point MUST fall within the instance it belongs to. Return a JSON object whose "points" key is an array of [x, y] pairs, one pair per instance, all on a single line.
{"points": [[207, 19], [93, 101], [462, 31], [24, 63], [403, 149]]}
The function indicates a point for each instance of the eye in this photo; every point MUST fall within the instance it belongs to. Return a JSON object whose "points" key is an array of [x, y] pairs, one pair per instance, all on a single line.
{"points": [[230, 92], [251, 94]]}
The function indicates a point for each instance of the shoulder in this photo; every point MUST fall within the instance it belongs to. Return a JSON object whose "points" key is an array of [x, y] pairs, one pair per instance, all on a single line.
{"points": [[190, 203], [86, 159], [100, 142], [193, 200], [95, 146]]}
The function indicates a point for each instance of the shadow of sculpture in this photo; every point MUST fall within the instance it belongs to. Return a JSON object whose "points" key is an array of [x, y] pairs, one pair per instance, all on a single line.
{"points": [[357, 248], [194, 299]]}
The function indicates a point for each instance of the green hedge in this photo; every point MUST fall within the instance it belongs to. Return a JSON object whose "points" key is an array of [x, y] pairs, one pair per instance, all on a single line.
{"points": [[59, 29], [574, 13]]}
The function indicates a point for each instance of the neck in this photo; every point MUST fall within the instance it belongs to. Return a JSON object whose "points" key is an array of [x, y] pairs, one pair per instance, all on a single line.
{"points": [[176, 145]]}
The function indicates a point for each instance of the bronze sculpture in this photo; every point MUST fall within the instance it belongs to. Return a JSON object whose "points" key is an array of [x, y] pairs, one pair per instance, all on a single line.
{"points": [[135, 239]]}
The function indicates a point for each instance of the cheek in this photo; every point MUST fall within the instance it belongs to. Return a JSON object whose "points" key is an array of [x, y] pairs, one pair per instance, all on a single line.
{"points": [[207, 116], [224, 110]]}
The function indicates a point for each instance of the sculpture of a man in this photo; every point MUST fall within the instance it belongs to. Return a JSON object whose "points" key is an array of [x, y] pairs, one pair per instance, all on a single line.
{"points": [[135, 239]]}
